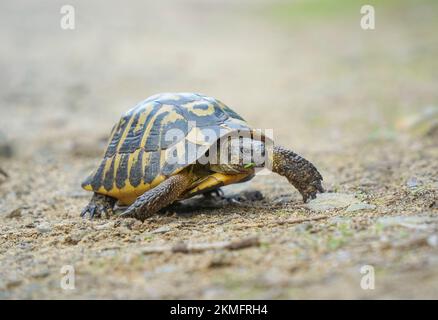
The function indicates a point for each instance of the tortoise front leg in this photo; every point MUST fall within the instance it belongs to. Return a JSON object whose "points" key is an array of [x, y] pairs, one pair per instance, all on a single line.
{"points": [[99, 204], [301, 173], [159, 197]]}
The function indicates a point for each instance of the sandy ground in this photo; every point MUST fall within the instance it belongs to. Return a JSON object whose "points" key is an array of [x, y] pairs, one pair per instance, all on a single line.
{"points": [[354, 102]]}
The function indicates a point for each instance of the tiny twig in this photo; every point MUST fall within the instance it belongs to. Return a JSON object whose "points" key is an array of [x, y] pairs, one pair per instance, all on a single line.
{"points": [[301, 220], [200, 247], [281, 222]]}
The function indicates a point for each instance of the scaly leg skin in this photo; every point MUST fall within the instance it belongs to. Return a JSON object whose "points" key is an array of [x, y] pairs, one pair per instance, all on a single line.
{"points": [[159, 197], [301, 173], [99, 204]]}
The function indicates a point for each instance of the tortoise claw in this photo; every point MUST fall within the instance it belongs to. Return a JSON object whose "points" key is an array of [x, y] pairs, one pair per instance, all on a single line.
{"points": [[233, 200], [318, 185], [311, 190], [91, 211], [134, 211], [217, 193], [305, 197]]}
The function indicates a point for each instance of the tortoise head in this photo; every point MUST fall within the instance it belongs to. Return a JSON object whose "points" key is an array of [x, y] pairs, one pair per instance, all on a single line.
{"points": [[240, 155]]}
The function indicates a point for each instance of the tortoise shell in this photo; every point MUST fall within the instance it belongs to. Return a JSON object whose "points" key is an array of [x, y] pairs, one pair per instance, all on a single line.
{"points": [[136, 158]]}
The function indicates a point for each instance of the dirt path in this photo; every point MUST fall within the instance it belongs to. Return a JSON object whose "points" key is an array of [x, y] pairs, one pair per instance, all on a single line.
{"points": [[351, 101]]}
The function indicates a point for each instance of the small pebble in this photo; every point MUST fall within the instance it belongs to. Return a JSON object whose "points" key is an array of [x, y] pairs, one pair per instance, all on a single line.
{"points": [[360, 206], [74, 238], [330, 201], [412, 182], [44, 227], [105, 226], [411, 222], [16, 213], [162, 229], [433, 240]]}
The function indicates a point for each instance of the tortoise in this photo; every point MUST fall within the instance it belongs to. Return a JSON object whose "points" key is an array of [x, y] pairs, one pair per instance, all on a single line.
{"points": [[137, 170]]}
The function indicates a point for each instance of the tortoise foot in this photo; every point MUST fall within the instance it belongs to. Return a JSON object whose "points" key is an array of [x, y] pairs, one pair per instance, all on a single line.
{"points": [[310, 190], [214, 194], [99, 206]]}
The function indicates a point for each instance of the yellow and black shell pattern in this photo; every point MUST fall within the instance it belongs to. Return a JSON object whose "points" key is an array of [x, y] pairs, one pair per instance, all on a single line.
{"points": [[135, 159]]}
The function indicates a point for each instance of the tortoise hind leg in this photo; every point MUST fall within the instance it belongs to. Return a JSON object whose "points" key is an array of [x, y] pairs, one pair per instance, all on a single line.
{"points": [[159, 197], [98, 205], [215, 193]]}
